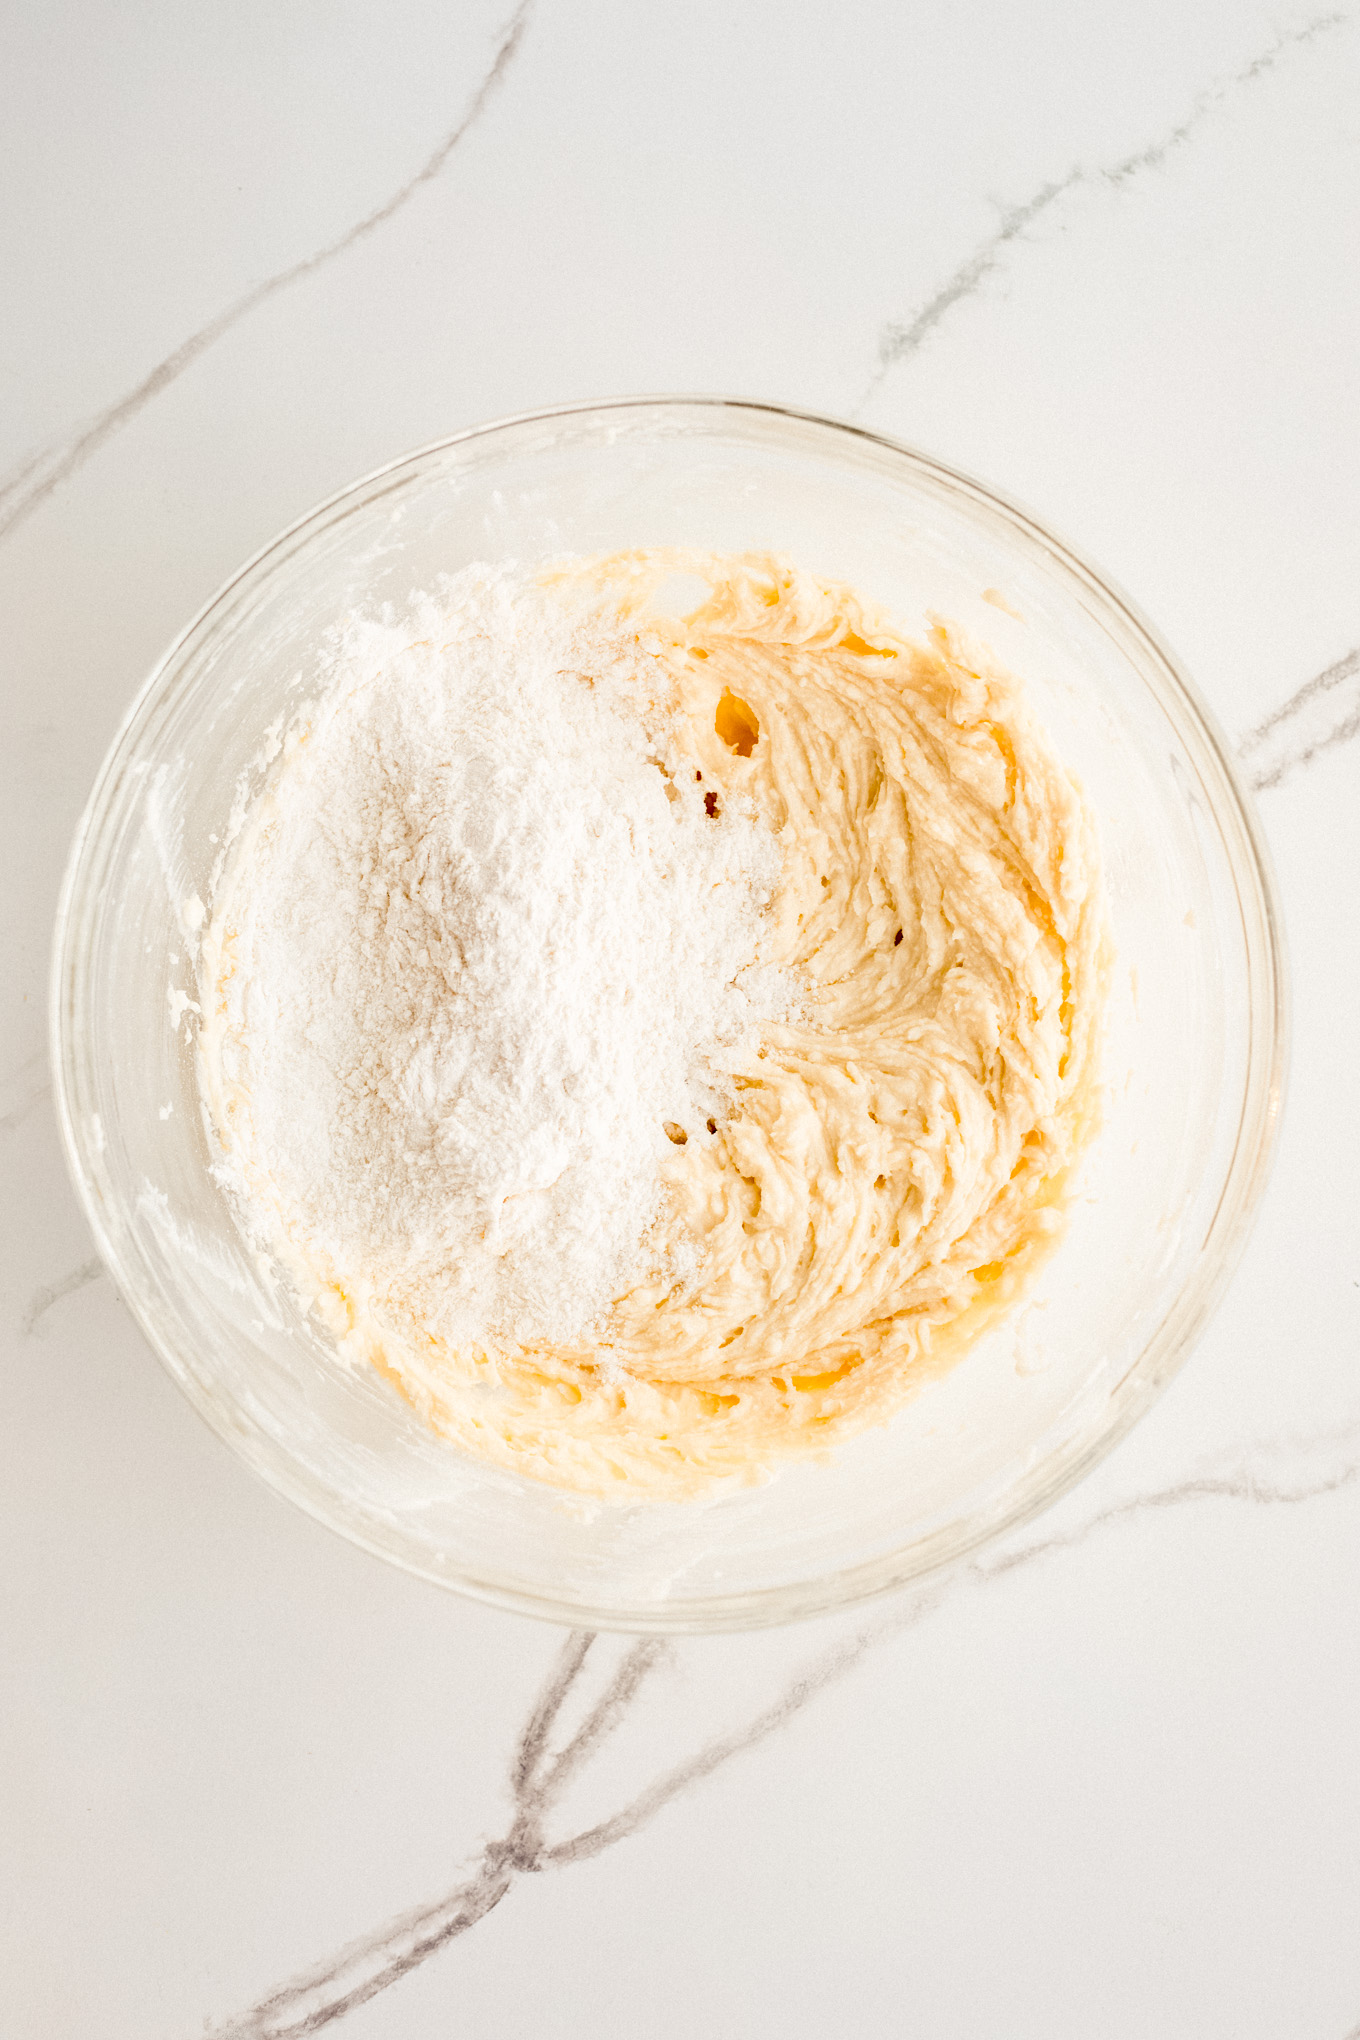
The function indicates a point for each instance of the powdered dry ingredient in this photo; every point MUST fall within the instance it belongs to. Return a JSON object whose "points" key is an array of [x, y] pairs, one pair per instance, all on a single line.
{"points": [[477, 949], [489, 931]]}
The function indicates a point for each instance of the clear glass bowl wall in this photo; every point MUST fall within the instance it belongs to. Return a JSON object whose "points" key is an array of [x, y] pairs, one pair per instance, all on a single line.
{"points": [[1193, 1062]]}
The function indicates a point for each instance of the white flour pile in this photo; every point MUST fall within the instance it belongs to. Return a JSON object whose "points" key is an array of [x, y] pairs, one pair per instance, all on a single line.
{"points": [[473, 950]]}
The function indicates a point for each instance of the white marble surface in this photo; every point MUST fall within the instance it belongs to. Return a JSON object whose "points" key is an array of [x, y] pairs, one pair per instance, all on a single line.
{"points": [[1108, 1781]]}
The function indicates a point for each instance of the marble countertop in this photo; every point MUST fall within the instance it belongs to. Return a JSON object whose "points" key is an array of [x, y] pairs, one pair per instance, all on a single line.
{"points": [[1105, 1781]]}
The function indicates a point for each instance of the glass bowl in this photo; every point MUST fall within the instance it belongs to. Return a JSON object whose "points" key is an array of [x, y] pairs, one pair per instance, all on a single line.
{"points": [[1193, 1068]]}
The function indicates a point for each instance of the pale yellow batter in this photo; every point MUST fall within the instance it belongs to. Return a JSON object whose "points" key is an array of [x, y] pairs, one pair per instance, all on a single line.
{"points": [[896, 1160]]}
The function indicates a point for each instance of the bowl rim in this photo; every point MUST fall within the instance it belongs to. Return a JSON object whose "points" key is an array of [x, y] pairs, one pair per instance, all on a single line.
{"points": [[1162, 1352]]}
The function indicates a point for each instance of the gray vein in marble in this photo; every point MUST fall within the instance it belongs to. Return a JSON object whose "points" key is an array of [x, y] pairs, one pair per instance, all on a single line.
{"points": [[35, 479], [43, 1299], [1323, 713], [366, 1967], [801, 1690], [1243, 1483], [1253, 1480], [899, 341], [537, 1780]]}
